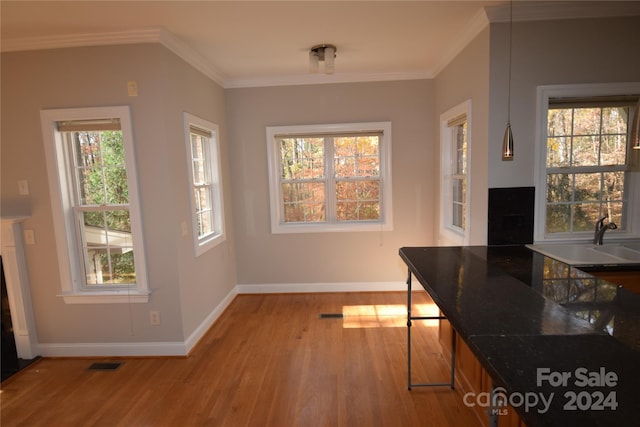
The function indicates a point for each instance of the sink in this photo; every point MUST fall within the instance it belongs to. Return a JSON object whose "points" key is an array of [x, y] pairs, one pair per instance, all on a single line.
{"points": [[589, 254], [621, 251]]}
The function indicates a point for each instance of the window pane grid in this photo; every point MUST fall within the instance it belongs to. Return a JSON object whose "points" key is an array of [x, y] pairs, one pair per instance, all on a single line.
{"points": [[586, 163], [102, 207], [352, 162], [203, 186], [458, 177]]}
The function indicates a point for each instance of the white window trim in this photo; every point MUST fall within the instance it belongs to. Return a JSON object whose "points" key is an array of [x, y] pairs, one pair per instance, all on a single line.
{"points": [[275, 196], [70, 264], [204, 244], [544, 93], [450, 234]]}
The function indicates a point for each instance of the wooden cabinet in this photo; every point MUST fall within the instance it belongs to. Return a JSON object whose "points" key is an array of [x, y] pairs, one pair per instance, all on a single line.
{"points": [[628, 279], [471, 377]]}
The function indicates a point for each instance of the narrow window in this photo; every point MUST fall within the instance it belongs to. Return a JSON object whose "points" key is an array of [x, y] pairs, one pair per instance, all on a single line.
{"points": [[204, 175], [96, 214], [459, 173], [454, 177]]}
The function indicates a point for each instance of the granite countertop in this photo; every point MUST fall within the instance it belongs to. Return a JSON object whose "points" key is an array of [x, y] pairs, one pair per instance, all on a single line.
{"points": [[520, 311]]}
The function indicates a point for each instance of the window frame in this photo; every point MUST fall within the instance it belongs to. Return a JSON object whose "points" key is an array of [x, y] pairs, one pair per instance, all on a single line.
{"points": [[632, 184], [450, 232], [278, 226], [202, 244], [61, 186]]}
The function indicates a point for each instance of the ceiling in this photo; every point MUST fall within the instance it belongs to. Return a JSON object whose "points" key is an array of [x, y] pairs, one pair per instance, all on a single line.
{"points": [[259, 43]]}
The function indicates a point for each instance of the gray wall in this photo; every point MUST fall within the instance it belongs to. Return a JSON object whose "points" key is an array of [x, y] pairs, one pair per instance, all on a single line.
{"points": [[549, 53], [467, 78], [185, 290], [265, 258]]}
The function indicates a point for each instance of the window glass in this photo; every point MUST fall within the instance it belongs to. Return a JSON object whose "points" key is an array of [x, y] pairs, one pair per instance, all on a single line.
{"points": [[329, 177], [102, 206], [206, 189], [586, 165], [96, 213]]}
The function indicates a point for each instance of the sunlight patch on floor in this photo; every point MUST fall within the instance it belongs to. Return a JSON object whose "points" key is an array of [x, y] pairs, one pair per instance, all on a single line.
{"points": [[385, 315]]}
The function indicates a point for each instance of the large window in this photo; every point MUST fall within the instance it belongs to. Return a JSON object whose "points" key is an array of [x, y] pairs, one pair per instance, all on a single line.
{"points": [[94, 198], [454, 182], [585, 159], [330, 177], [203, 156]]}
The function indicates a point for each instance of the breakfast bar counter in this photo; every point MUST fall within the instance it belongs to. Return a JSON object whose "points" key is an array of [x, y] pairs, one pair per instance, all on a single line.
{"points": [[562, 347]]}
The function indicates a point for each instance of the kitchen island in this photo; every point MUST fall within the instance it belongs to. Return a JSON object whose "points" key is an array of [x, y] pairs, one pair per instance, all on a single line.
{"points": [[562, 347]]}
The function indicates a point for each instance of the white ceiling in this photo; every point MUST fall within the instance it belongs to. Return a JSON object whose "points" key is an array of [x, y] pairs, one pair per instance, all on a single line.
{"points": [[253, 43]]}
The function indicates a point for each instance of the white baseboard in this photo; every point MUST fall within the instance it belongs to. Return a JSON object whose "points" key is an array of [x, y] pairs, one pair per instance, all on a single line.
{"points": [[202, 329], [133, 349], [178, 348], [138, 349], [283, 288]]}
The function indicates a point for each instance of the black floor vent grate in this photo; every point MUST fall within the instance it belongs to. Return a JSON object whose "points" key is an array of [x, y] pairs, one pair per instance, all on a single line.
{"points": [[331, 316], [104, 366]]}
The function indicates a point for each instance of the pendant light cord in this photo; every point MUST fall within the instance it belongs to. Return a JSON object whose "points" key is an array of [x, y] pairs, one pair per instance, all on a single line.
{"points": [[509, 62]]}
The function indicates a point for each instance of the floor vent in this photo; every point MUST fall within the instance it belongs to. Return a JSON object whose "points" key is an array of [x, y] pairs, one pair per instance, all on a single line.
{"points": [[105, 366], [331, 316]]}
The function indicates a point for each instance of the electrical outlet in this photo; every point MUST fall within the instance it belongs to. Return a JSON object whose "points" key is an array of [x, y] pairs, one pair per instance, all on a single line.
{"points": [[154, 317]]}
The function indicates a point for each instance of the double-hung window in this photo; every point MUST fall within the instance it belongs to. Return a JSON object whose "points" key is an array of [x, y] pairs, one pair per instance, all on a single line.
{"points": [[585, 159], [330, 177], [459, 173], [92, 176], [203, 156], [454, 182]]}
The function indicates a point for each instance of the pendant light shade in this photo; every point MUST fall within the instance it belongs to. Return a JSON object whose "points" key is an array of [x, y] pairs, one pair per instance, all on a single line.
{"points": [[507, 144]]}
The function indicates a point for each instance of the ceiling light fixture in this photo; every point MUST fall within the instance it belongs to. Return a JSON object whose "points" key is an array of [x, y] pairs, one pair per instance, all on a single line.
{"points": [[322, 52], [507, 142]]}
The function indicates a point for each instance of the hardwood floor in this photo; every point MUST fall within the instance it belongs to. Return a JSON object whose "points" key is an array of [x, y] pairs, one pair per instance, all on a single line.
{"points": [[270, 360]]}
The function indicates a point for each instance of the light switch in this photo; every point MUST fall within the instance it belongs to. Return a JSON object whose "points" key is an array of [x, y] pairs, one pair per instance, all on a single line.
{"points": [[23, 187], [29, 237], [132, 88]]}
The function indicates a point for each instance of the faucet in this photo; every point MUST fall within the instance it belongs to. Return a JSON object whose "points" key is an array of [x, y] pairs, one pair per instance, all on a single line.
{"points": [[601, 228]]}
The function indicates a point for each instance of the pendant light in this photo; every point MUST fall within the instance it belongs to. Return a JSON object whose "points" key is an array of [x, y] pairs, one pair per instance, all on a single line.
{"points": [[507, 142]]}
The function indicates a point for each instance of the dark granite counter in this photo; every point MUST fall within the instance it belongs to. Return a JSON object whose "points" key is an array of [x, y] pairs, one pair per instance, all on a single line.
{"points": [[524, 315]]}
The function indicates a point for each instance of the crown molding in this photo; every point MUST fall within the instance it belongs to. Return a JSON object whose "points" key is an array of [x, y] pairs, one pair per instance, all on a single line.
{"points": [[478, 23], [143, 35], [554, 10], [314, 79], [522, 11]]}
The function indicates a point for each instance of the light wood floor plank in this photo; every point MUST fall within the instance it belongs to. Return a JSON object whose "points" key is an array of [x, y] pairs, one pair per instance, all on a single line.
{"points": [[270, 360]]}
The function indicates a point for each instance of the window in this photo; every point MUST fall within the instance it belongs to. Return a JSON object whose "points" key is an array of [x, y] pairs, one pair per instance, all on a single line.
{"points": [[454, 183], [91, 165], [330, 177], [585, 158], [203, 157], [459, 173]]}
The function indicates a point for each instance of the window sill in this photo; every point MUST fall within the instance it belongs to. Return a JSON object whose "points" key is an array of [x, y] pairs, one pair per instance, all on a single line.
{"points": [[106, 297], [330, 228]]}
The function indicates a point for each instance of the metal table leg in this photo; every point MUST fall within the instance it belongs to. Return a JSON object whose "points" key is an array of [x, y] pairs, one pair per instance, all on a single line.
{"points": [[409, 324]]}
